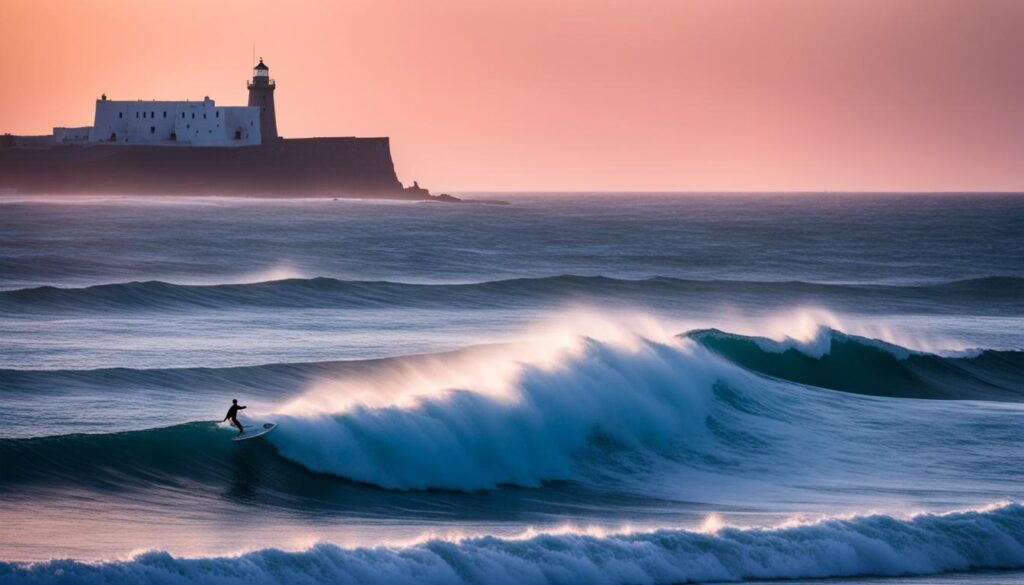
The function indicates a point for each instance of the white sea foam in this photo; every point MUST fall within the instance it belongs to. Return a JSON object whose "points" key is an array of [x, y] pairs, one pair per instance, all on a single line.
{"points": [[991, 538]]}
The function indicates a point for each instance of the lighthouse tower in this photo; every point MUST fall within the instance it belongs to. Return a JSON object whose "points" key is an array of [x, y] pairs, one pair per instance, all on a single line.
{"points": [[261, 95]]}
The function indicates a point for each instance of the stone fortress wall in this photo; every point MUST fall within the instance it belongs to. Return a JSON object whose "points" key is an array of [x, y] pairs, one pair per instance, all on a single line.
{"points": [[172, 123]]}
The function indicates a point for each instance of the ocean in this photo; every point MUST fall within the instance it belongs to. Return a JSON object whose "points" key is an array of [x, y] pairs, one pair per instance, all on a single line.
{"points": [[572, 388]]}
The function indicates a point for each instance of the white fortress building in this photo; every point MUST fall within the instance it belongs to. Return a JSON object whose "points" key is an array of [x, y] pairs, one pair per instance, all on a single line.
{"points": [[182, 123], [175, 123]]}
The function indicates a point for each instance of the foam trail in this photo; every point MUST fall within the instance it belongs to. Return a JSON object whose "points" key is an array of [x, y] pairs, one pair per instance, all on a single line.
{"points": [[866, 545]]}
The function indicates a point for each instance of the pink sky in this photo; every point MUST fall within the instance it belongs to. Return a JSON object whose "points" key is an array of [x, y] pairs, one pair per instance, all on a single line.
{"points": [[570, 95]]}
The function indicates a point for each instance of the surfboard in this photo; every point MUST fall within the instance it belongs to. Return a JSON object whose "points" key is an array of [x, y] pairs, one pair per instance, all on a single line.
{"points": [[255, 430]]}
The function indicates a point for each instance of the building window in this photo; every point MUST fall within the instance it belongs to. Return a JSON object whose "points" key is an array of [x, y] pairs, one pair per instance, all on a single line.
{"points": [[218, 114], [152, 129], [193, 115], [183, 115], [136, 114], [120, 114], [165, 114], [204, 116], [187, 126], [152, 114]]}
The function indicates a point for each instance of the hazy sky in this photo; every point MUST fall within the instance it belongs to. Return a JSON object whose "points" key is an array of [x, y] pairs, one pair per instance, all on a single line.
{"points": [[570, 95]]}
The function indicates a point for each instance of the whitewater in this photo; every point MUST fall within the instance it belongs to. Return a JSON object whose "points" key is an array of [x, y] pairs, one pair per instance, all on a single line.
{"points": [[631, 388]]}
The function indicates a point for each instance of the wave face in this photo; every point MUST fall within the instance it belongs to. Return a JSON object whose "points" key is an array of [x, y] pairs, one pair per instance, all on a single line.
{"points": [[997, 295], [642, 398], [836, 360], [859, 546]]}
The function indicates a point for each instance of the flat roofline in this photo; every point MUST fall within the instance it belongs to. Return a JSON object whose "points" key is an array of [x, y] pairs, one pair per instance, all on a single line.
{"points": [[142, 101]]}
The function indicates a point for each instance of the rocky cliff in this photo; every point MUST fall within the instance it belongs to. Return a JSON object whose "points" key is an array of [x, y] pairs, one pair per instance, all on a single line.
{"points": [[335, 167]]}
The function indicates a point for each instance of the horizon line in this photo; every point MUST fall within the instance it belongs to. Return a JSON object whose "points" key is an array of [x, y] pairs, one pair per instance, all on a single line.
{"points": [[733, 192]]}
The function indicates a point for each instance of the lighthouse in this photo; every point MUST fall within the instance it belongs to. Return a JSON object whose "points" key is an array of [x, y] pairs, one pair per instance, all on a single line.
{"points": [[261, 95]]}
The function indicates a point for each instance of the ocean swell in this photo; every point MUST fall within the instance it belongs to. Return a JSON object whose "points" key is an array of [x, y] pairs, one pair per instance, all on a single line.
{"points": [[858, 546], [993, 295]]}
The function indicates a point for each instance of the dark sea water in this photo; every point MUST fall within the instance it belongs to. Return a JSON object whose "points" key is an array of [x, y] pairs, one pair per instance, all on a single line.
{"points": [[586, 388]]}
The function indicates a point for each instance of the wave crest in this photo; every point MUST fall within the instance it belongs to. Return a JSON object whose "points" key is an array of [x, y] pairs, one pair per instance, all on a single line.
{"points": [[840, 361]]}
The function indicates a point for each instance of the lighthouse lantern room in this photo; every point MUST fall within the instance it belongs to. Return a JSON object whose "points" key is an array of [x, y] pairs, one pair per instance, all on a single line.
{"points": [[261, 95]]}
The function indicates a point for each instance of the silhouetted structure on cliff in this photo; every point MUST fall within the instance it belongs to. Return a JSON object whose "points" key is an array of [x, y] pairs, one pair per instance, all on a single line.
{"points": [[193, 148]]}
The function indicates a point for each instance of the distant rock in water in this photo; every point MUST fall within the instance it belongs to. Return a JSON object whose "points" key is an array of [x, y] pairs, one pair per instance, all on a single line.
{"points": [[418, 192]]}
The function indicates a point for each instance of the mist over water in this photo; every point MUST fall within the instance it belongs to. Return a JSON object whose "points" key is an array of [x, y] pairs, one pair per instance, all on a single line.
{"points": [[619, 389]]}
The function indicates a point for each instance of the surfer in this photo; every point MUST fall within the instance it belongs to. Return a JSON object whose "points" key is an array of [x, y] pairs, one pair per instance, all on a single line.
{"points": [[232, 415]]}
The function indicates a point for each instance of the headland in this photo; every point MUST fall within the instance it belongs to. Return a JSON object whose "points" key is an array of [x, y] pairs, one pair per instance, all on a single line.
{"points": [[301, 167], [147, 147]]}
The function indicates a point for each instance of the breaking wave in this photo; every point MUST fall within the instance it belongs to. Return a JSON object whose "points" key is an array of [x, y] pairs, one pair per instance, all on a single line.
{"points": [[988, 539], [591, 410], [529, 425]]}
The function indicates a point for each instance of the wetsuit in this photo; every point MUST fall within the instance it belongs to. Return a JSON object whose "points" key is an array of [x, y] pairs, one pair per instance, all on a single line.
{"points": [[232, 416]]}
